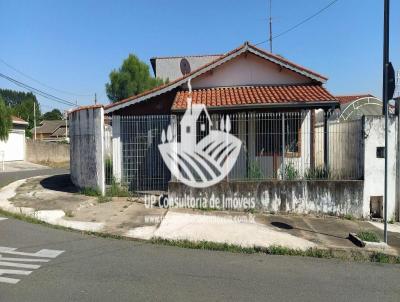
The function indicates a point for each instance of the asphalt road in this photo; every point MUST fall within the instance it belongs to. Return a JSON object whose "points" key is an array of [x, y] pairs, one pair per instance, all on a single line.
{"points": [[9, 177], [99, 269]]}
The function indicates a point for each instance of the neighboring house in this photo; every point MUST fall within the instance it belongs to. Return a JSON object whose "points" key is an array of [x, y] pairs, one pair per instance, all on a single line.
{"points": [[247, 82], [52, 130], [14, 147], [354, 107]]}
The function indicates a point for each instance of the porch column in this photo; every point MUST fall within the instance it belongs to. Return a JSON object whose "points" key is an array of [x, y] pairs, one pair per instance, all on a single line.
{"points": [[116, 148], [326, 139]]}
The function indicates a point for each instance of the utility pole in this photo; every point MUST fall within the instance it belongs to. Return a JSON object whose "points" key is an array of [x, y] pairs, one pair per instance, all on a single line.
{"points": [[385, 100], [34, 118], [95, 98], [270, 26]]}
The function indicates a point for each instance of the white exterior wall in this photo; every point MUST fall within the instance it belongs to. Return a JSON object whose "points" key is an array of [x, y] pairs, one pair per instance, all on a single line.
{"points": [[374, 168], [248, 69], [14, 148]]}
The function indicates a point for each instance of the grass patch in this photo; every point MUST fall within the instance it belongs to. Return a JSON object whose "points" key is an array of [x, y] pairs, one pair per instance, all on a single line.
{"points": [[368, 236], [384, 258], [348, 217], [272, 250], [90, 192], [104, 199], [69, 213], [117, 190]]}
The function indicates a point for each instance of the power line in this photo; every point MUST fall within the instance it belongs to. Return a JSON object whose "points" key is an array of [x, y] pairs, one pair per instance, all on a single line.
{"points": [[41, 83], [38, 91], [301, 22]]}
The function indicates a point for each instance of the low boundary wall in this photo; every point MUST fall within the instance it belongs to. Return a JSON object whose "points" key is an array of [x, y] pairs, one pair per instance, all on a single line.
{"points": [[303, 196], [38, 151]]}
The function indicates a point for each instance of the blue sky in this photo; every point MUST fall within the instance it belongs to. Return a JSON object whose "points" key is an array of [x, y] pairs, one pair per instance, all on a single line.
{"points": [[73, 45]]}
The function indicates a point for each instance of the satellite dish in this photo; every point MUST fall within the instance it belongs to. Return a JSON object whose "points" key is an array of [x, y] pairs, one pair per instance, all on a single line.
{"points": [[185, 66]]}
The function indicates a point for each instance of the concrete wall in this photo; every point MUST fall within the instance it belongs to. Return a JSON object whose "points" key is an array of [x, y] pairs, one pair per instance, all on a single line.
{"points": [[374, 134], [328, 197], [38, 151], [87, 147]]}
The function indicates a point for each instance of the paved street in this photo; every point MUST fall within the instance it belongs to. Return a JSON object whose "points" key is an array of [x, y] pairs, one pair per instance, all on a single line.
{"points": [[98, 269], [9, 177]]}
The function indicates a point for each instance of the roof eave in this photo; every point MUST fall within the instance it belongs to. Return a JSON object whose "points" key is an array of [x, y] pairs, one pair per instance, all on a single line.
{"points": [[306, 105]]}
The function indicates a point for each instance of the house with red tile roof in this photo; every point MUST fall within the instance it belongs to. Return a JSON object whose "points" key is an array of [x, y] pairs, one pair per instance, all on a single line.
{"points": [[245, 81], [246, 78], [263, 108]]}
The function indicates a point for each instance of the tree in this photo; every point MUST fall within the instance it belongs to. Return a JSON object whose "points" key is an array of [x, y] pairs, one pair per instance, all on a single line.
{"points": [[132, 78], [54, 114], [21, 104], [25, 110], [5, 120]]}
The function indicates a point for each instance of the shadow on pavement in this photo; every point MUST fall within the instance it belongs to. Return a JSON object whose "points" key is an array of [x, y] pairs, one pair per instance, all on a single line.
{"points": [[61, 183], [286, 226]]}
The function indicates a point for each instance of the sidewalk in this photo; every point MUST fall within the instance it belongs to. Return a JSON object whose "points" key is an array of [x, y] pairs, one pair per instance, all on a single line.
{"points": [[55, 200]]}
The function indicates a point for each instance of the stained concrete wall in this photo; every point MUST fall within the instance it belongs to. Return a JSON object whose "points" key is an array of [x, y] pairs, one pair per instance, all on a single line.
{"points": [[87, 147], [374, 167], [328, 197], [322, 196], [39, 151]]}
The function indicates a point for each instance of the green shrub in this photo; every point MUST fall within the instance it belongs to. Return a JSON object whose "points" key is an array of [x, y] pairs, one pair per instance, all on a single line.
{"points": [[117, 190], [290, 172], [254, 171]]}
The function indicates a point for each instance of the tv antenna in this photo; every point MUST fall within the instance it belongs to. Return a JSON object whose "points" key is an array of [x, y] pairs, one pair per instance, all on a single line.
{"points": [[270, 26]]}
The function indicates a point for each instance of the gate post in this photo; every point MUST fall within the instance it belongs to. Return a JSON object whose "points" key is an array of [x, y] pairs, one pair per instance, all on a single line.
{"points": [[116, 148]]}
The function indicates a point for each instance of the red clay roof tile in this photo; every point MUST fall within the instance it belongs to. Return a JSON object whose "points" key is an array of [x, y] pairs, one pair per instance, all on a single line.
{"points": [[248, 95]]}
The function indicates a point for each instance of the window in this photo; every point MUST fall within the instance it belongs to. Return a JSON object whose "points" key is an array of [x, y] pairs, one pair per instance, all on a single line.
{"points": [[269, 136], [187, 129]]}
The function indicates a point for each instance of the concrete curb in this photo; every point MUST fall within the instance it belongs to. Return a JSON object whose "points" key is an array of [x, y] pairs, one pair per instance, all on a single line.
{"points": [[55, 217], [366, 244]]}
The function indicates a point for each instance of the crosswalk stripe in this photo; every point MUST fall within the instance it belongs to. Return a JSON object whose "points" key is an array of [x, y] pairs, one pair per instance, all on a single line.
{"points": [[17, 262], [23, 259], [20, 265], [42, 253], [14, 272], [9, 280]]}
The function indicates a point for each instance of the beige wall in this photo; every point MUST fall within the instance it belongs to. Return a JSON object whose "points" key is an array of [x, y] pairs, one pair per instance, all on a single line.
{"points": [[39, 151], [248, 69]]}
